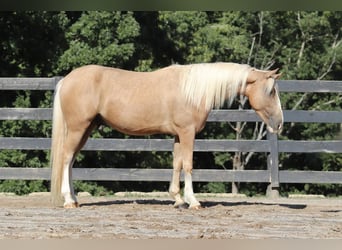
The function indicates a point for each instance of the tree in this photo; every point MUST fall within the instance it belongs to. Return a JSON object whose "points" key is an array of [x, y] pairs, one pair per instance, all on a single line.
{"points": [[30, 45], [98, 37], [179, 29], [31, 42]]}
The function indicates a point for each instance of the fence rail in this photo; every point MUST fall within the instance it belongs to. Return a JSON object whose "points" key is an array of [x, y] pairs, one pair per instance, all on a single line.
{"points": [[271, 145], [211, 145]]}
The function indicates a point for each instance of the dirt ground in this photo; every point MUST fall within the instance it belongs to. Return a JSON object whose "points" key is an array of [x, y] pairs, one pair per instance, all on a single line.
{"points": [[34, 217]]}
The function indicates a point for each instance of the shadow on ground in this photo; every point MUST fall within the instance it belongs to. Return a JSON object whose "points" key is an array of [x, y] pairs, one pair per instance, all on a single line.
{"points": [[205, 204]]}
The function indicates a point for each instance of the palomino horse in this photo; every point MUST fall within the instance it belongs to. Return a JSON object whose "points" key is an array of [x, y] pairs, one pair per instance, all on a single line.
{"points": [[174, 100]]}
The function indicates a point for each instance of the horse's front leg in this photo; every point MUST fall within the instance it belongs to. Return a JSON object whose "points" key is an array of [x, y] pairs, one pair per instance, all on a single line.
{"points": [[187, 146], [189, 196], [177, 167]]}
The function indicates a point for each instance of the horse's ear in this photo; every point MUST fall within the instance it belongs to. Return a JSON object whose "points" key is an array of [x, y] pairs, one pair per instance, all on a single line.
{"points": [[273, 74], [277, 76]]}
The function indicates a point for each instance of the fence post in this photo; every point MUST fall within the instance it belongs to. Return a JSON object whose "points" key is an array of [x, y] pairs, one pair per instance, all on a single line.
{"points": [[273, 166]]}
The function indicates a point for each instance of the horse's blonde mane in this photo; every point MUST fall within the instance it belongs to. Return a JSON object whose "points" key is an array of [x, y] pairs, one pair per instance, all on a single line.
{"points": [[213, 83]]}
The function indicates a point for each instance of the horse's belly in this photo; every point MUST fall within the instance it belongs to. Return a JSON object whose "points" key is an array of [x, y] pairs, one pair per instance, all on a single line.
{"points": [[139, 123]]}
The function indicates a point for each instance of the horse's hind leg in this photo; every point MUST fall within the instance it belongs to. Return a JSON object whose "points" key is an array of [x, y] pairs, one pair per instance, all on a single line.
{"points": [[73, 143]]}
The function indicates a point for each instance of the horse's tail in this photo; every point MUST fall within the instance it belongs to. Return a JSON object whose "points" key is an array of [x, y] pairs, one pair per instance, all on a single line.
{"points": [[56, 157]]}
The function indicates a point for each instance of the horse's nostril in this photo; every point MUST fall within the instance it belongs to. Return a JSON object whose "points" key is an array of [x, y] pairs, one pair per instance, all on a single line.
{"points": [[280, 127]]}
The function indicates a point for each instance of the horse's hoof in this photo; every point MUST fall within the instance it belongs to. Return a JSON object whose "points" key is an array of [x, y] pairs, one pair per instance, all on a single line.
{"points": [[181, 205], [195, 207], [71, 205]]}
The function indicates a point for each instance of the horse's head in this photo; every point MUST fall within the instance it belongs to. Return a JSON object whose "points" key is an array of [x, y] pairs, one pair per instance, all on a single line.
{"points": [[262, 92]]}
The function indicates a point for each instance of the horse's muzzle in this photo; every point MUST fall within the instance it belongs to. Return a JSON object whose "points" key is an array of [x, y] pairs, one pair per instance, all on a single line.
{"points": [[275, 126]]}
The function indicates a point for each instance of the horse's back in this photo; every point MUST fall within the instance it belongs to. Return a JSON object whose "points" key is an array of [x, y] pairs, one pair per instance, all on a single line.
{"points": [[92, 74]]}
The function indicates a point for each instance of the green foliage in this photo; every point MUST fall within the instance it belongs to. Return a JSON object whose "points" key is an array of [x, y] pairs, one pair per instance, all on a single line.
{"points": [[30, 42], [180, 29], [304, 45], [90, 187], [214, 187], [21, 187], [98, 37], [222, 40]]}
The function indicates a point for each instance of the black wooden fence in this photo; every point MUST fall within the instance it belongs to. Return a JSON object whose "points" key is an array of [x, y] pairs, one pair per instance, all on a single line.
{"points": [[273, 175]]}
